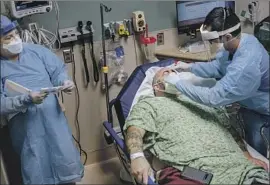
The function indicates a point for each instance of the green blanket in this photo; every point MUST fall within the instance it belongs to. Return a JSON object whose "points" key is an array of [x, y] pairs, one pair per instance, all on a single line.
{"points": [[181, 132]]}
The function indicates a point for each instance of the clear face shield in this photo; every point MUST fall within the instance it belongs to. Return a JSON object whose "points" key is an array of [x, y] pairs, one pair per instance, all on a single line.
{"points": [[213, 39]]}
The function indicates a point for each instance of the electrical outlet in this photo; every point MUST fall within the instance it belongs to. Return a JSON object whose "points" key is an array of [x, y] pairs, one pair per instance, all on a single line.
{"points": [[160, 39], [67, 53], [33, 26]]}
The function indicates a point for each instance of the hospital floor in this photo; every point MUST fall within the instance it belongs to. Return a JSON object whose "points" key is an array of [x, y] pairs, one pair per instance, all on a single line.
{"points": [[106, 172]]}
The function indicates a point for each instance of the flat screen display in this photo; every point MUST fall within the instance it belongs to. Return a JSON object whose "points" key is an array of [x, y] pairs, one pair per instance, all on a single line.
{"points": [[191, 14], [22, 5]]}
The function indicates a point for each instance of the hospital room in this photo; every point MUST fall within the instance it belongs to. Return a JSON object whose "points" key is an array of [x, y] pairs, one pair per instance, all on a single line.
{"points": [[135, 92]]}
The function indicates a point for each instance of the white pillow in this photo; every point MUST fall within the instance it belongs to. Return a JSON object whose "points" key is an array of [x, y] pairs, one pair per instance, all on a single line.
{"points": [[146, 88]]}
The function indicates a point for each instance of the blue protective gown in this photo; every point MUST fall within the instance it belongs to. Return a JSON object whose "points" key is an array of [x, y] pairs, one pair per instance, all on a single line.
{"points": [[244, 79], [40, 135]]}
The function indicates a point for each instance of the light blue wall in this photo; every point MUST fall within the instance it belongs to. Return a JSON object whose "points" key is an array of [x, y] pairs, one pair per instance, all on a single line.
{"points": [[159, 14]]}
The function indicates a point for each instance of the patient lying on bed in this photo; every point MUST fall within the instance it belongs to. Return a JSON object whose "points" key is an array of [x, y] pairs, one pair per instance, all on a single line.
{"points": [[180, 132]]}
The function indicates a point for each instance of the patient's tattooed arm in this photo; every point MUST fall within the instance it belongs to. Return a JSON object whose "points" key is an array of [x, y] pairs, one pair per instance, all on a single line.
{"points": [[238, 138], [134, 139]]}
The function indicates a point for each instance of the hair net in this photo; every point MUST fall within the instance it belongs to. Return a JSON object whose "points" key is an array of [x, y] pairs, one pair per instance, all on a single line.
{"points": [[7, 25]]}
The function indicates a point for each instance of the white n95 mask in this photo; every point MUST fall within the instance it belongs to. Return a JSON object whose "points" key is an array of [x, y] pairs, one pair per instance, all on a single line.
{"points": [[171, 89], [172, 78], [169, 86], [14, 47], [219, 46]]}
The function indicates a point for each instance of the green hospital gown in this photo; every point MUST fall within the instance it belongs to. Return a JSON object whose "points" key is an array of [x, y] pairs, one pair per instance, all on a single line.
{"points": [[181, 132]]}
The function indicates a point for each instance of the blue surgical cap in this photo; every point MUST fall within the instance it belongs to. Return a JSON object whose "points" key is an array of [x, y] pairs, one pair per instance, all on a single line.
{"points": [[7, 25]]}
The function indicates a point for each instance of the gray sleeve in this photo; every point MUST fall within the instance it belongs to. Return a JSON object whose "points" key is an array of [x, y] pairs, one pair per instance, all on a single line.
{"points": [[15, 104]]}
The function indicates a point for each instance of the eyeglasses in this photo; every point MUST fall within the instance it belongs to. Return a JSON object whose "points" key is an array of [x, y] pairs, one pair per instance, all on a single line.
{"points": [[11, 35]]}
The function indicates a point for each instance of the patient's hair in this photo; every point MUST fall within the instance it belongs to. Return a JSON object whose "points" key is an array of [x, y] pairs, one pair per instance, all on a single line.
{"points": [[215, 19], [155, 80]]}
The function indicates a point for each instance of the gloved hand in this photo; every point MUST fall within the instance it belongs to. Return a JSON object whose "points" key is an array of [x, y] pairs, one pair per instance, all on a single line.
{"points": [[37, 98], [140, 169], [68, 86], [182, 66]]}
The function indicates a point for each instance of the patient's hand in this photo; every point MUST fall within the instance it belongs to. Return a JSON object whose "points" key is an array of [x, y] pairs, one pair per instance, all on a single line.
{"points": [[259, 162], [140, 169], [256, 161]]}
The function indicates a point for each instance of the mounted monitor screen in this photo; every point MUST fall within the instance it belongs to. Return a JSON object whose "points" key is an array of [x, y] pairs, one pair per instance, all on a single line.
{"points": [[191, 14], [22, 5]]}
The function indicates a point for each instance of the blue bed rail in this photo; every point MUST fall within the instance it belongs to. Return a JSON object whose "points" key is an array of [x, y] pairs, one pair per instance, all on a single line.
{"points": [[122, 104]]}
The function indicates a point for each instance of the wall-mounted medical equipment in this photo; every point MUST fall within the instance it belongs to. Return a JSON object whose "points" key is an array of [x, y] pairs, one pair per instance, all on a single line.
{"points": [[148, 45], [118, 29], [86, 72], [121, 29], [252, 13], [67, 54], [138, 19], [127, 24], [191, 14], [82, 33], [110, 30], [73, 34], [34, 33], [253, 8], [115, 61], [19, 9], [262, 32], [89, 27]]}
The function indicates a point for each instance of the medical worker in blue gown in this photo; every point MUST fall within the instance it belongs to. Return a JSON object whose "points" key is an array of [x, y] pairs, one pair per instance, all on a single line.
{"points": [[242, 65], [39, 130]]}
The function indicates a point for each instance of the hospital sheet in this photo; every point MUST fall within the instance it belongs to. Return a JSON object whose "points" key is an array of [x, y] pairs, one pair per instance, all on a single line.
{"points": [[181, 132]]}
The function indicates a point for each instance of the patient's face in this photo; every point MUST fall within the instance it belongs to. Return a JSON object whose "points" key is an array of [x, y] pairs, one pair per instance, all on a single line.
{"points": [[158, 81], [163, 72]]}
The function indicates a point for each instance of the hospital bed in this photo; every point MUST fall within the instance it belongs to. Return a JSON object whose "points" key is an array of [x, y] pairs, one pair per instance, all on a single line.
{"points": [[122, 105]]}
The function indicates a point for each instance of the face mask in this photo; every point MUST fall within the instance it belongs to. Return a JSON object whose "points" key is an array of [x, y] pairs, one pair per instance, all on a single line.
{"points": [[217, 46], [169, 88], [229, 41], [220, 46], [15, 47]]}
